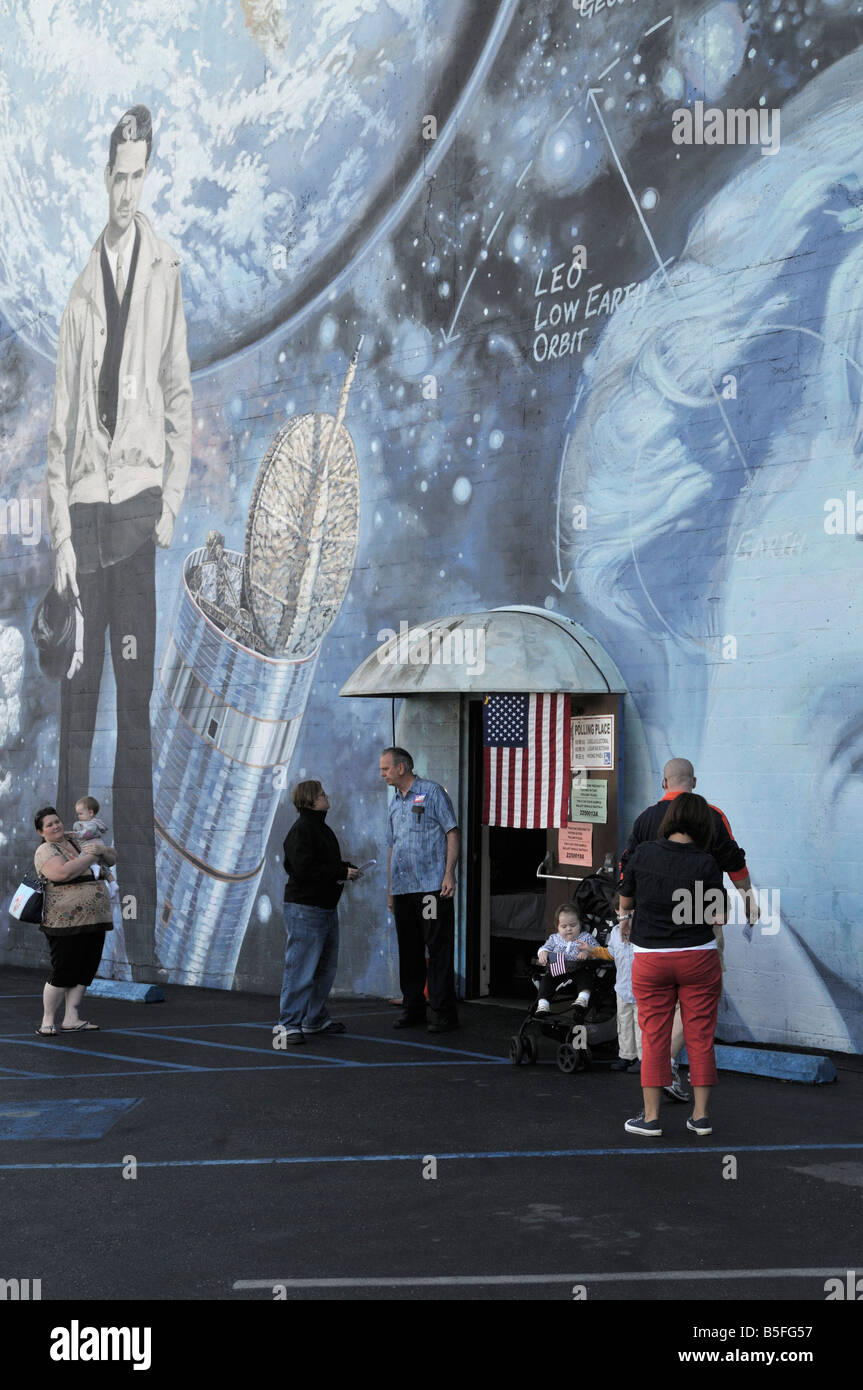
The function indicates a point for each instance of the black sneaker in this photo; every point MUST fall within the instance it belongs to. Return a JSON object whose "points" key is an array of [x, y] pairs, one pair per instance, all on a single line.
{"points": [[638, 1125], [332, 1025], [443, 1025], [622, 1064], [702, 1126], [408, 1020]]}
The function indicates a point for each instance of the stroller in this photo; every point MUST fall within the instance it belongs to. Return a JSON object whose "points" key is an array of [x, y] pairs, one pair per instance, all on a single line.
{"points": [[575, 1034]]}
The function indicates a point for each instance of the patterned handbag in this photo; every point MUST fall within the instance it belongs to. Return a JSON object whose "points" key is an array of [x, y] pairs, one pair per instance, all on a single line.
{"points": [[28, 901]]}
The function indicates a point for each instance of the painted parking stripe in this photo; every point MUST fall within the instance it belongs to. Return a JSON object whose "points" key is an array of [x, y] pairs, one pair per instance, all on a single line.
{"points": [[96, 1052], [235, 1047], [430, 1047], [18, 1071], [262, 1025], [635, 1152], [297, 1064], [406, 1042], [142, 1028], [423, 1047]]}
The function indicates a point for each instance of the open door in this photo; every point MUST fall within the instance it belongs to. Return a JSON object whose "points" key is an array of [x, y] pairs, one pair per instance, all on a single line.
{"points": [[518, 877], [506, 901]]}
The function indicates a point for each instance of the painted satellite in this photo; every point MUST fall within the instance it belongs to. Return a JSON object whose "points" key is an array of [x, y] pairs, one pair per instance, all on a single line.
{"points": [[234, 680]]}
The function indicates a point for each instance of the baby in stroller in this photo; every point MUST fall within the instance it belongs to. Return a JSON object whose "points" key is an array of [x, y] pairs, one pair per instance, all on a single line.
{"points": [[567, 978], [575, 1004]]}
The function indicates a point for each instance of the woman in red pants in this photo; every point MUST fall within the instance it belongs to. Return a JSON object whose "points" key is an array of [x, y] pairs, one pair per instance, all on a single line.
{"points": [[676, 886]]}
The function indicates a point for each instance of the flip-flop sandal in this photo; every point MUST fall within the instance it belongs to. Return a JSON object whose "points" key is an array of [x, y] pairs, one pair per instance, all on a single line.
{"points": [[46, 1032], [82, 1027]]}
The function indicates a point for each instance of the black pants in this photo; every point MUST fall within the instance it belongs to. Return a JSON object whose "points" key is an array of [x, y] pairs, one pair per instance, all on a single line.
{"points": [[426, 921], [557, 987], [75, 959], [119, 599]]}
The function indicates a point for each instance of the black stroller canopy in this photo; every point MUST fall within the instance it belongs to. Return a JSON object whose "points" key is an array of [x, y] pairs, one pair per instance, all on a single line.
{"points": [[594, 897]]}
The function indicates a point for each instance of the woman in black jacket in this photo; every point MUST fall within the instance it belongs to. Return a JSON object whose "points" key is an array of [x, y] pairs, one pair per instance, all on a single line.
{"points": [[675, 885], [316, 873]]}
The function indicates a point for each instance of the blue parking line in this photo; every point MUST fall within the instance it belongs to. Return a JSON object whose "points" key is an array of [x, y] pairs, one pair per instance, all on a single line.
{"points": [[424, 1047], [427, 1047], [143, 1028], [634, 1152], [12, 1071], [262, 1025], [234, 1047], [335, 1061], [95, 1052], [296, 1064]]}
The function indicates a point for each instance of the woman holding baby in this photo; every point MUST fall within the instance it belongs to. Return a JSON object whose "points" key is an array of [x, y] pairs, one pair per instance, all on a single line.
{"points": [[77, 915]]}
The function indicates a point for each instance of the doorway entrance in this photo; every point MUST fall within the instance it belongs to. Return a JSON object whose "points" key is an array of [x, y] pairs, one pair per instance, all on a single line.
{"points": [[517, 878], [507, 905]]}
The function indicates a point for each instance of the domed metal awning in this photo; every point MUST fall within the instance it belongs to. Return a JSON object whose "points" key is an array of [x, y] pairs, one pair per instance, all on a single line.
{"points": [[519, 649]]}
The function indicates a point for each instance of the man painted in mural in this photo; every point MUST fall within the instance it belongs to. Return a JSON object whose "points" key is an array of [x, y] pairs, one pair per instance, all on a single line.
{"points": [[117, 464], [423, 840]]}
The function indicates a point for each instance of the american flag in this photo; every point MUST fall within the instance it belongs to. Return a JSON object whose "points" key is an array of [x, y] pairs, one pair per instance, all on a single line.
{"points": [[526, 761]]}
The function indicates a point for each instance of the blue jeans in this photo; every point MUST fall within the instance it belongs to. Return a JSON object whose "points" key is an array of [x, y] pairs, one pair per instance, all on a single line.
{"points": [[311, 958]]}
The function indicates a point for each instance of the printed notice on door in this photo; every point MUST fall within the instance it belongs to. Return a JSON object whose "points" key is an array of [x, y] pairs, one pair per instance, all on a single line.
{"points": [[575, 845], [589, 800], [593, 742]]}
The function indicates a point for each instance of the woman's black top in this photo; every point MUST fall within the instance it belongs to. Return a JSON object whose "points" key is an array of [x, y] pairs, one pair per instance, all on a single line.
{"points": [[665, 918], [313, 862]]}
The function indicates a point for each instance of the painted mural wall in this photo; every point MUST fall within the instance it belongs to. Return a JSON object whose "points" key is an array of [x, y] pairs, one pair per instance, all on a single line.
{"points": [[430, 308]]}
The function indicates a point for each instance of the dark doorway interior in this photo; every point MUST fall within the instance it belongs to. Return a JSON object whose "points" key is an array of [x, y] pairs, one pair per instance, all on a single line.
{"points": [[517, 905]]}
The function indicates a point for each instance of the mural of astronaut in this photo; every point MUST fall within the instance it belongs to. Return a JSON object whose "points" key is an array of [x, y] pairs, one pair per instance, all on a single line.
{"points": [[117, 463]]}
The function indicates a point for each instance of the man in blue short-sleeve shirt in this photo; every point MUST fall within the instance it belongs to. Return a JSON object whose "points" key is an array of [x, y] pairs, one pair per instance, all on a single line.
{"points": [[422, 834]]}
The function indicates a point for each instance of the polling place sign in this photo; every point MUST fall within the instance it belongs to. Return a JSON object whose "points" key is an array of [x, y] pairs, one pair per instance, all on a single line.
{"points": [[592, 742]]}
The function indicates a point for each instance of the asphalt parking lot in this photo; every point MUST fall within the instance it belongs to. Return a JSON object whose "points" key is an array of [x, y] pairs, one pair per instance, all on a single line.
{"points": [[181, 1157]]}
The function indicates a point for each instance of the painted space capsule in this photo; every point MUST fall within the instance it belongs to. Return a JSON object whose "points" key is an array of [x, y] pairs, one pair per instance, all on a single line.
{"points": [[233, 684]]}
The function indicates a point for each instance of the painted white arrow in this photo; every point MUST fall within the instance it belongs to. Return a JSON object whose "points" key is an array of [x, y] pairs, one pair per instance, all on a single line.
{"points": [[451, 336]]}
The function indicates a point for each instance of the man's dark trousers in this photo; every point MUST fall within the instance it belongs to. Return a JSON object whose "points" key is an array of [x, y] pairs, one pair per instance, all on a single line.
{"points": [[121, 598], [426, 920]]}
